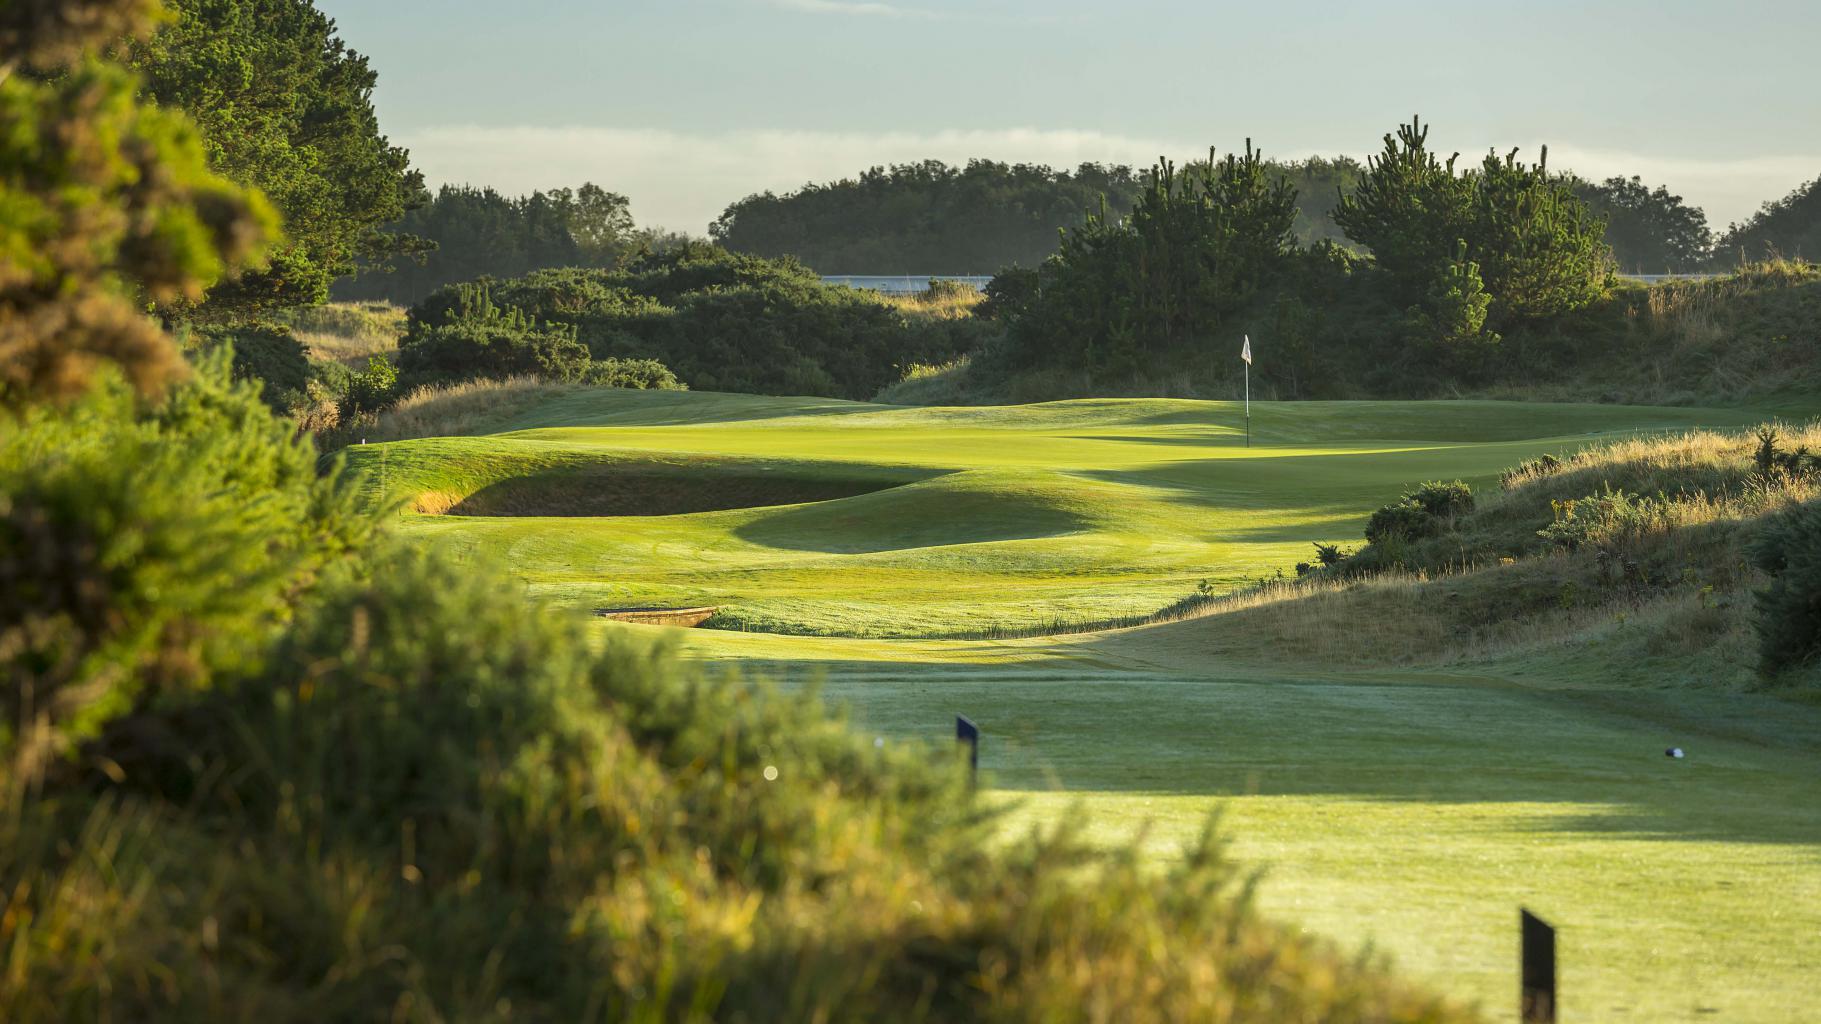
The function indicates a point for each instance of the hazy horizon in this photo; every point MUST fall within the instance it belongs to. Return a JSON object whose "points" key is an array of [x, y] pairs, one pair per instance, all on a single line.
{"points": [[688, 106]]}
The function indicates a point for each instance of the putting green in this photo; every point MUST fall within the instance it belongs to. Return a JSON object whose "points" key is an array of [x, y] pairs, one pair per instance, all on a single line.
{"points": [[945, 521], [1412, 810]]}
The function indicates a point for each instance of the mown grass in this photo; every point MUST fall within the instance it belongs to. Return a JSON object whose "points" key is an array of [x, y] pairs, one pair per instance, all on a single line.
{"points": [[1018, 517], [1410, 756]]}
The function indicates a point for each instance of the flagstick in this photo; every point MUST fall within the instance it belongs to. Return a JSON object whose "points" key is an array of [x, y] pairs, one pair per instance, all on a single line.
{"points": [[1248, 405]]}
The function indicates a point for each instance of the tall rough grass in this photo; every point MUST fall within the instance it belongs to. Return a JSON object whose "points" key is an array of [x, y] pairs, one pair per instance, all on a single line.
{"points": [[1658, 588], [450, 410], [348, 332]]}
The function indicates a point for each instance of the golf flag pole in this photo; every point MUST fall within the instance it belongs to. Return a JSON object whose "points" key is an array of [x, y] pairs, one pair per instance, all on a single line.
{"points": [[1245, 353]]}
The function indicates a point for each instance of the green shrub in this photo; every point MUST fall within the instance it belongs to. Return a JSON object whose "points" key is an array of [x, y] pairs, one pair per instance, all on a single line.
{"points": [[1404, 519], [637, 374], [1443, 501], [1431, 508], [143, 550], [373, 389], [721, 321], [266, 354], [1604, 518], [1789, 608], [491, 344]]}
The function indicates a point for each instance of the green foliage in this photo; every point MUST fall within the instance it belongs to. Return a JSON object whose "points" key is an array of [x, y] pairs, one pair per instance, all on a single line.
{"points": [[285, 107], [1789, 608], [925, 218], [1430, 509], [1327, 555], [637, 374], [1196, 249], [722, 321], [104, 204], [1401, 520], [481, 340], [1789, 227], [268, 355], [1538, 250], [143, 551], [374, 388], [1444, 501], [930, 217], [1411, 209], [1775, 463], [1650, 231], [479, 233], [1453, 315], [1603, 518]]}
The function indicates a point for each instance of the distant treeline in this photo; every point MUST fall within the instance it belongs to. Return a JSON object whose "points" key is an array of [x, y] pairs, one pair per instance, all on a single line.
{"points": [[464, 233], [934, 218], [1787, 227], [931, 217]]}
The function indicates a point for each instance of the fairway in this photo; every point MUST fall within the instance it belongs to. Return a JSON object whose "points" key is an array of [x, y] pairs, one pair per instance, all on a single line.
{"points": [[1413, 810], [954, 521]]}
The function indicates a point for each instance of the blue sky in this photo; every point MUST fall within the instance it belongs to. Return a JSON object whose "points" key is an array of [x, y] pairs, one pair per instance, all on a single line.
{"points": [[687, 105]]}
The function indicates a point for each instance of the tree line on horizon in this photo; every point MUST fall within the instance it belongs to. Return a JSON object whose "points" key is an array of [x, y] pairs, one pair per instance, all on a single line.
{"points": [[934, 218]]}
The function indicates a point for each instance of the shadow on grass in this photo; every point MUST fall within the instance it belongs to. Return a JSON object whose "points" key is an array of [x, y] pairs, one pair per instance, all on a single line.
{"points": [[1595, 756], [911, 517]]}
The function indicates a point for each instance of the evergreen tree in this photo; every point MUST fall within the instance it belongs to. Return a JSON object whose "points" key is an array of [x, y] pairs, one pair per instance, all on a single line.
{"points": [[286, 107], [1198, 246], [1539, 251]]}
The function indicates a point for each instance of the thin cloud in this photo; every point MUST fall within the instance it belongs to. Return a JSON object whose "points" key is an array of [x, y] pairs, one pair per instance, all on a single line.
{"points": [[684, 180], [845, 7]]}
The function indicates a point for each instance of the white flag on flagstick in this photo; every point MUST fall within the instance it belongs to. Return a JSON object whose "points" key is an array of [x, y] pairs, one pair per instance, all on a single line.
{"points": [[1246, 352]]}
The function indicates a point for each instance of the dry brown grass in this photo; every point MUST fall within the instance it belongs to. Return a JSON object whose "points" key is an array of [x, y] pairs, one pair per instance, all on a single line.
{"points": [[1686, 620], [452, 410], [348, 332], [939, 304]]}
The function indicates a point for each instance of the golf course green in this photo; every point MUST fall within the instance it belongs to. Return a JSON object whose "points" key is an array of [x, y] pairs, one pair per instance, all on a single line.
{"points": [[1413, 809]]}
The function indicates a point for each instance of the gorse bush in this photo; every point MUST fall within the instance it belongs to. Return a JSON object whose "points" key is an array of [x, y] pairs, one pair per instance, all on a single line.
{"points": [[1430, 509], [374, 388], [635, 374], [1605, 517], [268, 355], [1789, 607], [142, 551], [721, 321]]}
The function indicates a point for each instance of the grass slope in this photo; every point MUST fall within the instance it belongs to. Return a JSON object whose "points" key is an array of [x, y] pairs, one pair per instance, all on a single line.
{"points": [[1393, 799], [1002, 517]]}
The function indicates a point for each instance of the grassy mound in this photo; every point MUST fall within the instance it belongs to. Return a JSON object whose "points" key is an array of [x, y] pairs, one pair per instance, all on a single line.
{"points": [[1019, 518], [1629, 559]]}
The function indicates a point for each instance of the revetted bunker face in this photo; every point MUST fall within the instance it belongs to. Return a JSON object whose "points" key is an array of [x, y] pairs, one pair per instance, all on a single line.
{"points": [[619, 490]]}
